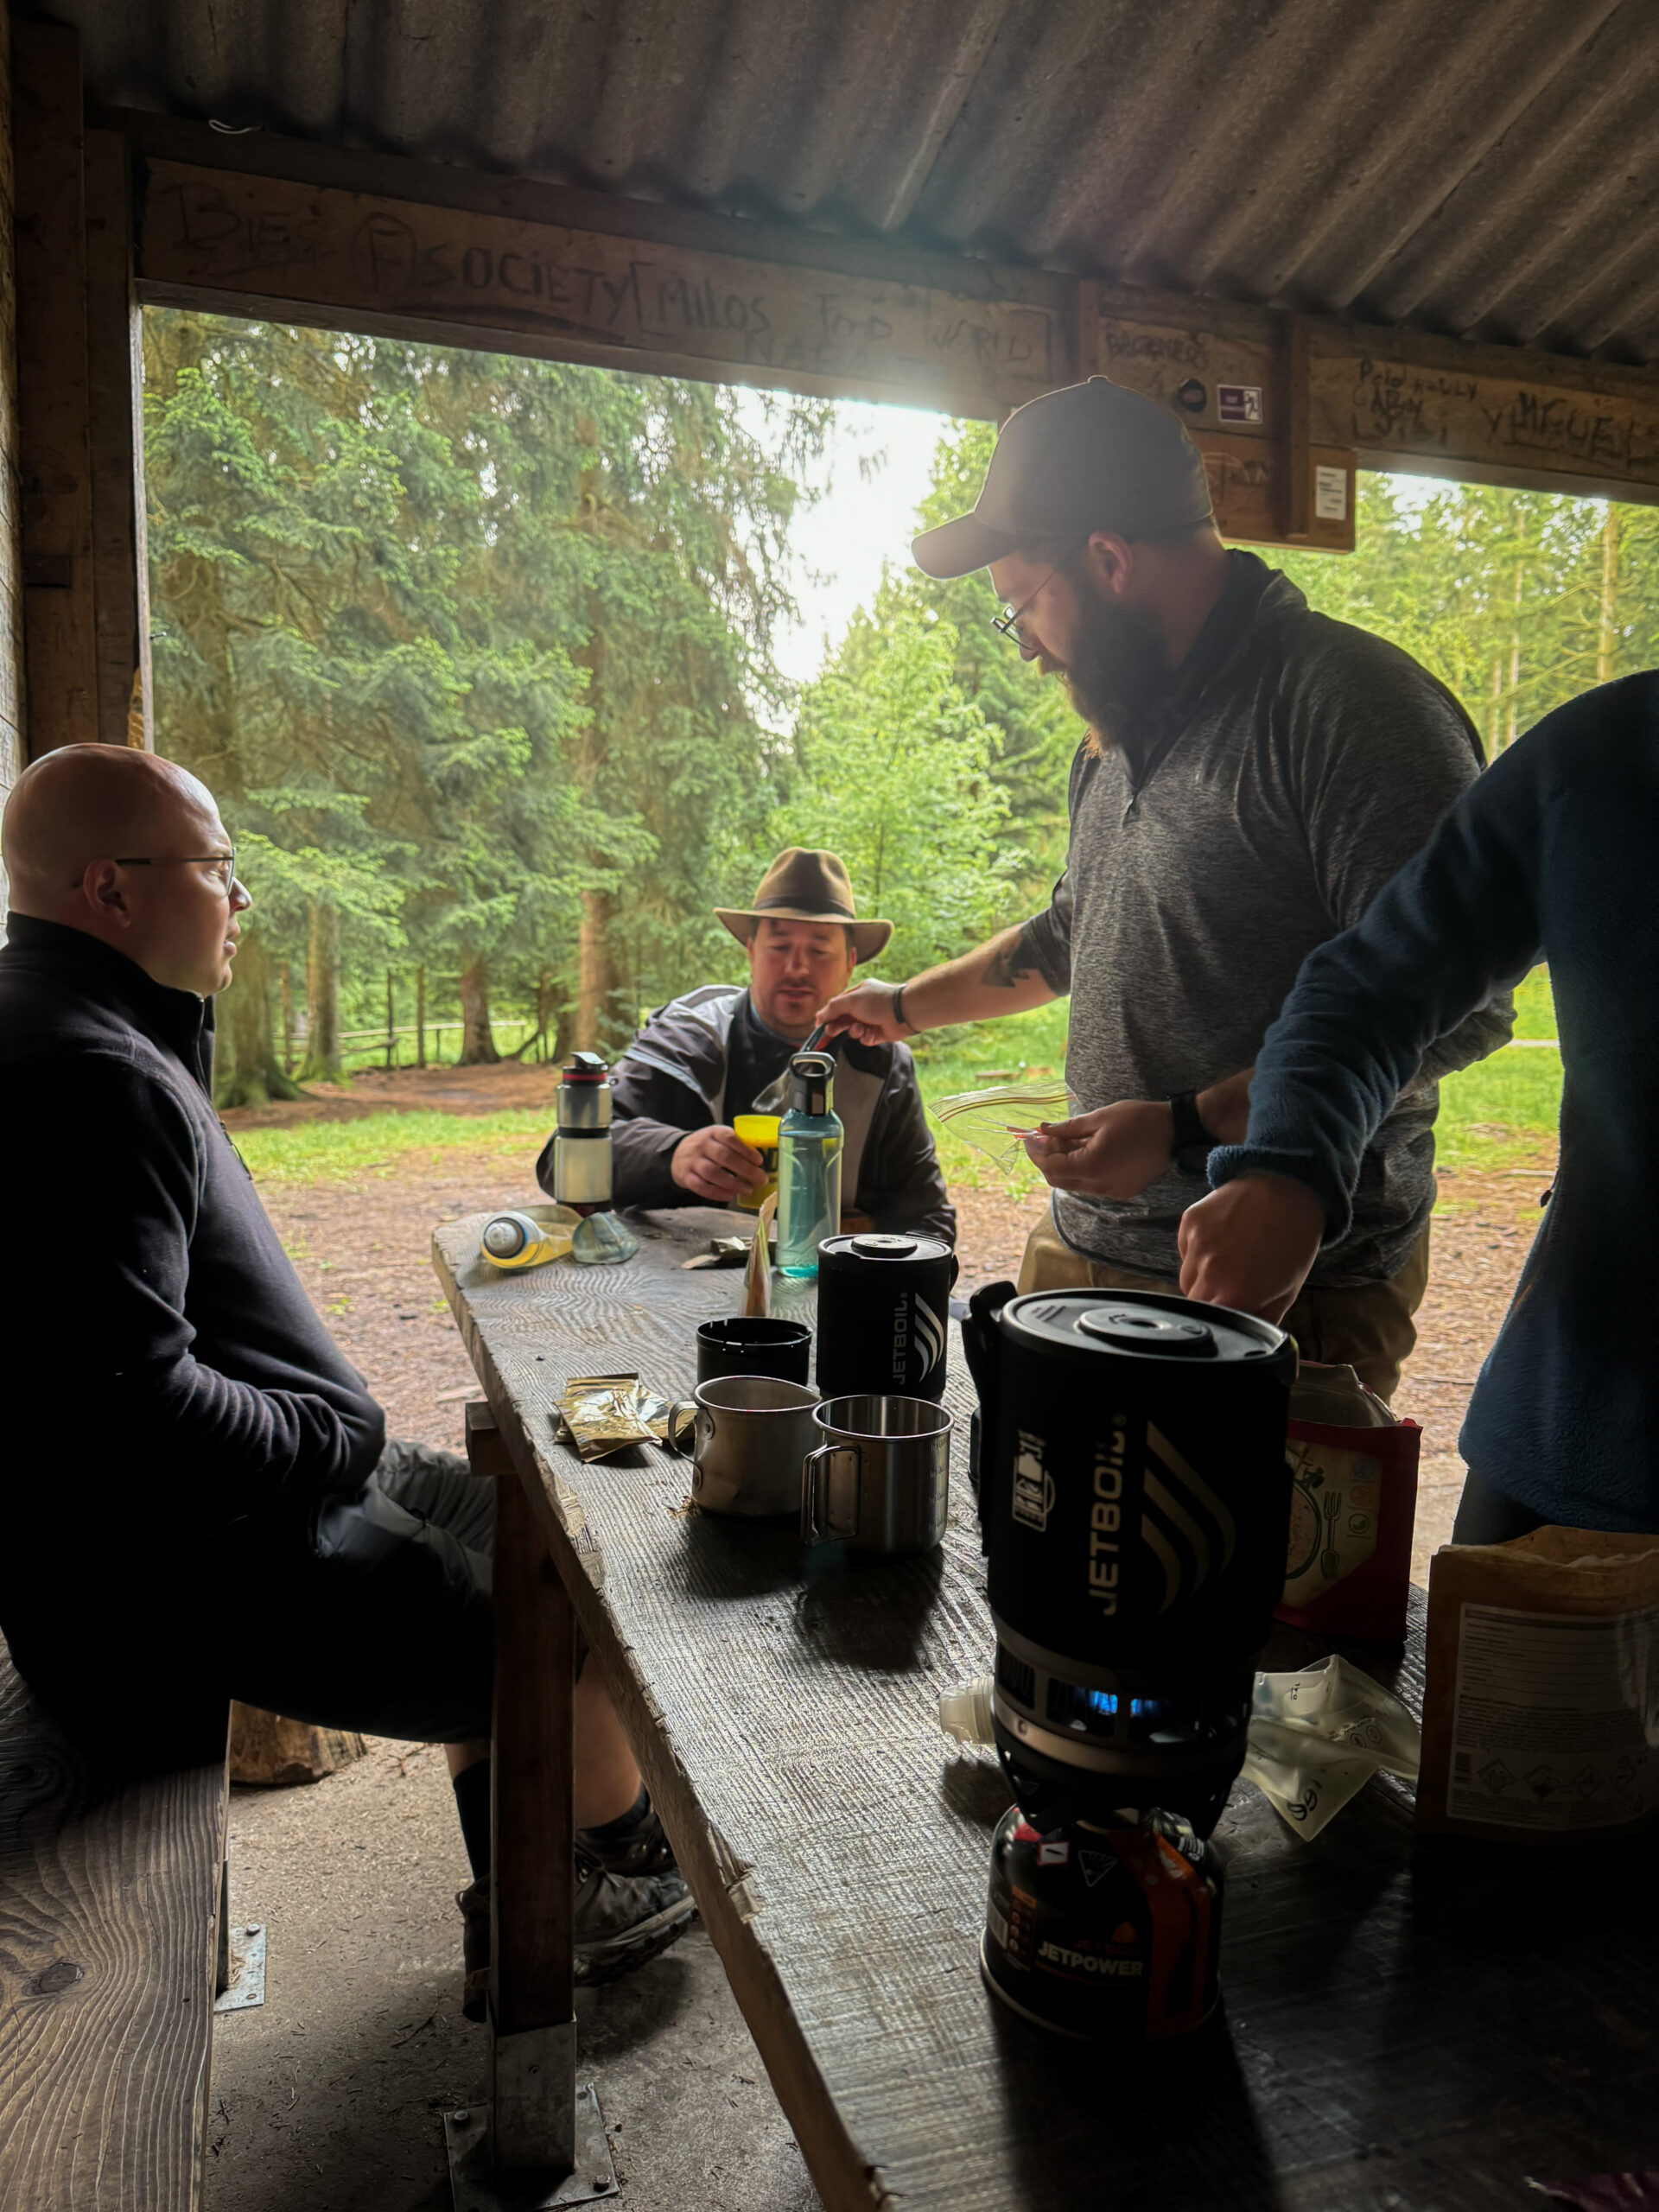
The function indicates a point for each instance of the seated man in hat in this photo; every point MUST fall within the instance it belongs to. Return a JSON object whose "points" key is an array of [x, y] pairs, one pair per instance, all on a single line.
{"points": [[704, 1059]]}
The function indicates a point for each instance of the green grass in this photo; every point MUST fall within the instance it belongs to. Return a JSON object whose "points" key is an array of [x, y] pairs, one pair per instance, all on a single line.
{"points": [[1502, 1111], [349, 1152]]}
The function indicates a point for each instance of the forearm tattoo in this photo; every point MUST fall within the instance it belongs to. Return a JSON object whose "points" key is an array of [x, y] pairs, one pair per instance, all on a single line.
{"points": [[1011, 965]]}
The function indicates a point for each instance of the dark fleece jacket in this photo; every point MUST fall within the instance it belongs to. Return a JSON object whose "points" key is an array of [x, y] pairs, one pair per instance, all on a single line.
{"points": [[164, 1373], [1549, 856]]}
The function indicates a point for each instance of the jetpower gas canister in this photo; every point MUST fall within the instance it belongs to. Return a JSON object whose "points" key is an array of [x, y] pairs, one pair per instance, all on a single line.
{"points": [[884, 1316], [1109, 1932]]}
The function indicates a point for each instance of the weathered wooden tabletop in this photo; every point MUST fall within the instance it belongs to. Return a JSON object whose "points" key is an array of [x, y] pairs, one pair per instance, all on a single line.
{"points": [[1405, 2027]]}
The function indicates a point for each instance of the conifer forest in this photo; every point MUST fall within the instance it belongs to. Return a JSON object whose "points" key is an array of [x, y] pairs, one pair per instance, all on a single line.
{"points": [[480, 656]]}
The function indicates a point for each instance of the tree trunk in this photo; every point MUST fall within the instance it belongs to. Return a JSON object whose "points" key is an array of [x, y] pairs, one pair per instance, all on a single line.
{"points": [[564, 1042], [477, 1045], [1607, 628], [596, 978], [288, 1021], [1515, 634], [249, 1073], [420, 1017], [322, 1063]]}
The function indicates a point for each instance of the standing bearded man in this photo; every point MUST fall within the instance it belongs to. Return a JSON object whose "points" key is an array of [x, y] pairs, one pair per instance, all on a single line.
{"points": [[1254, 773]]}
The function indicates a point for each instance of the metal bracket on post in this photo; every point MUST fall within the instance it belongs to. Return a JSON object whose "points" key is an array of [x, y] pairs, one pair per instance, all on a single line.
{"points": [[239, 1980], [535, 2107]]}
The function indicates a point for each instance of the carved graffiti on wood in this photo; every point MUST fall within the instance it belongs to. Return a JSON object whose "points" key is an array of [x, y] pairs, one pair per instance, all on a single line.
{"points": [[281, 241]]}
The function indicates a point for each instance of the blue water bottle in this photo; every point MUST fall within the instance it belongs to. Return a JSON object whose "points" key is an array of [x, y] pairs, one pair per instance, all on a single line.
{"points": [[808, 1166]]}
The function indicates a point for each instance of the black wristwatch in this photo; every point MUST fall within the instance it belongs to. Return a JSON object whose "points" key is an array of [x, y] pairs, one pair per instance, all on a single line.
{"points": [[1190, 1144]]}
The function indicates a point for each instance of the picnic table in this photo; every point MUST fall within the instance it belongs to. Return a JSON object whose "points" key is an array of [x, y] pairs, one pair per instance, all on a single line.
{"points": [[1406, 2025]]}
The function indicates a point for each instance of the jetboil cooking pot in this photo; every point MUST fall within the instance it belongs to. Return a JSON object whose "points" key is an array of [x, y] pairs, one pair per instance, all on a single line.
{"points": [[1134, 1500]]}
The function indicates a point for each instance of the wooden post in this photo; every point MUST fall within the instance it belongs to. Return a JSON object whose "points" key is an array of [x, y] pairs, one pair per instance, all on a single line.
{"points": [[55, 451], [1293, 428], [532, 2003], [391, 1017], [114, 385], [420, 1017]]}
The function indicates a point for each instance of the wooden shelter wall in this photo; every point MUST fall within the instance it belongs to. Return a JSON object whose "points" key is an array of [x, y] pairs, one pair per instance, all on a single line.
{"points": [[11, 650]]}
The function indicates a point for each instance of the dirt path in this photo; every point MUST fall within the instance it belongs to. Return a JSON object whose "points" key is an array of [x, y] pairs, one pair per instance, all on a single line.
{"points": [[362, 1251]]}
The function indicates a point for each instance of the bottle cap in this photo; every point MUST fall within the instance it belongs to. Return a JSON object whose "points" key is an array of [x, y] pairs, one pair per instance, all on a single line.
{"points": [[586, 1067], [811, 1082]]}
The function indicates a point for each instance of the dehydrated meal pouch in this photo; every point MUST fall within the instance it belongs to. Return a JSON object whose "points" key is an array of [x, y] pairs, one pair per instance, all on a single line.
{"points": [[1353, 1504], [1540, 1709]]}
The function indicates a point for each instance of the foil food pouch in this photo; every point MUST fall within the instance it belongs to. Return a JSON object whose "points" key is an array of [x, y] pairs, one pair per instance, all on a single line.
{"points": [[602, 1414], [1540, 1705]]}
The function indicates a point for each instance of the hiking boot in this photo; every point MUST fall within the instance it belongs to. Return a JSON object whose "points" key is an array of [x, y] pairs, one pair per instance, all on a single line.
{"points": [[645, 1850], [474, 1902], [620, 1921]]}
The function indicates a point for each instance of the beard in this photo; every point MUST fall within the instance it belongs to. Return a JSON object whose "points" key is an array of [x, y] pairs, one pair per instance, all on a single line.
{"points": [[1117, 668]]}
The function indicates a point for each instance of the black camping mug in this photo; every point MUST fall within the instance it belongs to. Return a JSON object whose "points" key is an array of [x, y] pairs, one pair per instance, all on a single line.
{"points": [[742, 1346]]}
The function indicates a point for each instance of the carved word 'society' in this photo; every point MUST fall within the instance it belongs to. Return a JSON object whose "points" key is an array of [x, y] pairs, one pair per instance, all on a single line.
{"points": [[594, 287]]}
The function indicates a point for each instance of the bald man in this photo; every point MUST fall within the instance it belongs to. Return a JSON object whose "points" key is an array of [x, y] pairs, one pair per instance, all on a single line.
{"points": [[197, 1501]]}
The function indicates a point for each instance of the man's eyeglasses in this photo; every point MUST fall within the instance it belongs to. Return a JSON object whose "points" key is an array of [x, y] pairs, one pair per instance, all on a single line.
{"points": [[223, 864], [1007, 623]]}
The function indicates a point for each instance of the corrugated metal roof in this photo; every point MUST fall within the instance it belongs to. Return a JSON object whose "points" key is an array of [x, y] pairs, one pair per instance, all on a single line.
{"points": [[1486, 168]]}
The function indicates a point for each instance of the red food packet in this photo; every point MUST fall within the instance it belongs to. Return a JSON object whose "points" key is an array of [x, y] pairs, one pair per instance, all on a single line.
{"points": [[1353, 1506]]}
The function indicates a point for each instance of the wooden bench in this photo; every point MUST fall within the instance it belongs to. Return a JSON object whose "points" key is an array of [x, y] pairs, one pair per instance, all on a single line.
{"points": [[110, 1927]]}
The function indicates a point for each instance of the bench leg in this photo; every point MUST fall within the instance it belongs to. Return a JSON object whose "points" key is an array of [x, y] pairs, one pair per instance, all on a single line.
{"points": [[547, 2143], [532, 1991]]}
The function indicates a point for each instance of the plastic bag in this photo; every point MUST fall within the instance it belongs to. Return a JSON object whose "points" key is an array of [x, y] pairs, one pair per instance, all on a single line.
{"points": [[993, 1122], [1318, 1736]]}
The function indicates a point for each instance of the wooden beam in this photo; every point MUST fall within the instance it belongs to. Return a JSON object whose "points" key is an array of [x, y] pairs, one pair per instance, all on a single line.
{"points": [[1294, 450], [265, 246], [115, 383], [262, 225], [55, 456]]}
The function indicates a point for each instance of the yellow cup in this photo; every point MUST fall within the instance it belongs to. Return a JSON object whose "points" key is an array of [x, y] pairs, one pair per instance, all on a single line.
{"points": [[760, 1133]]}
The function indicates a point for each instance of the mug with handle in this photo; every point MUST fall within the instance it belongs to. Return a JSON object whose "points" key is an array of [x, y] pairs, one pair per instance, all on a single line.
{"points": [[749, 1436], [880, 1481]]}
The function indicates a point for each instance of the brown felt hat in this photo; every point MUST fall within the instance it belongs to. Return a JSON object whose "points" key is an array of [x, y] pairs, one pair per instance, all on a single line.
{"points": [[806, 886]]}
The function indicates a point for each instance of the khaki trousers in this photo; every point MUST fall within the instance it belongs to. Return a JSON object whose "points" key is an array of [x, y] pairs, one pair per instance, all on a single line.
{"points": [[1368, 1328]]}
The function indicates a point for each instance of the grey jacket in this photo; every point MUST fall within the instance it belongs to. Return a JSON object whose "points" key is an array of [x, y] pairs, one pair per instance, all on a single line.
{"points": [[672, 1078], [1295, 766]]}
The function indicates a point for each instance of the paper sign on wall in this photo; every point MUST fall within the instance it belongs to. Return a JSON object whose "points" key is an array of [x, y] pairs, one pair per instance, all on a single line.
{"points": [[1330, 495]]}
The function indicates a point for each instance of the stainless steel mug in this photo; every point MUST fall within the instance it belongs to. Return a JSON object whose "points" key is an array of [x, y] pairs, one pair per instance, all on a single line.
{"points": [[750, 1437], [747, 1345], [880, 1481]]}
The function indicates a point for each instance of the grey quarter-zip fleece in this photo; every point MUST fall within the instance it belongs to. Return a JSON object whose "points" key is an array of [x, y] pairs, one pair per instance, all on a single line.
{"points": [[1295, 765]]}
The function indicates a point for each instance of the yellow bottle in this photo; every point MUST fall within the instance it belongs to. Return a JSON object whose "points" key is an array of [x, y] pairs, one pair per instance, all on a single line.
{"points": [[519, 1240]]}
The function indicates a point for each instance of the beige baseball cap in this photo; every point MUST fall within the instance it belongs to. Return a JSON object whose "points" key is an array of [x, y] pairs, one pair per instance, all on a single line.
{"points": [[1092, 456]]}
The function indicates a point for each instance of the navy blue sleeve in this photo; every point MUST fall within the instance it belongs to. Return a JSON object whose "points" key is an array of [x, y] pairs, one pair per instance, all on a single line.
{"points": [[1456, 925]]}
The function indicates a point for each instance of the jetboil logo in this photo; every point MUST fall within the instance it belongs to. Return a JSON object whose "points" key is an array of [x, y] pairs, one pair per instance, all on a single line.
{"points": [[1186, 1527], [915, 1327]]}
